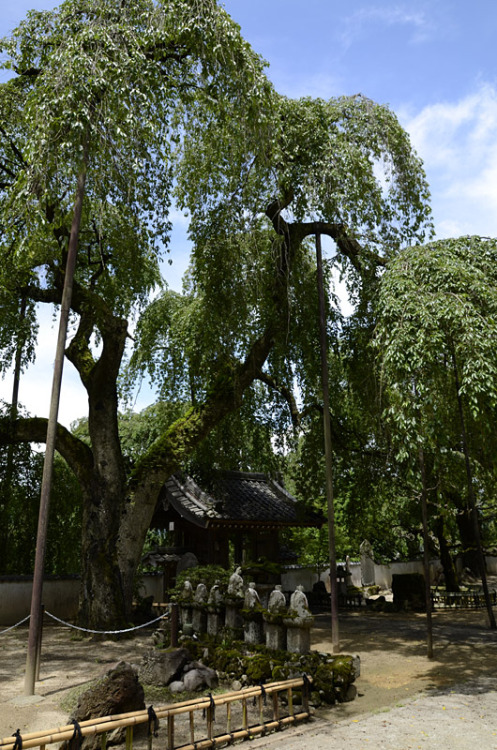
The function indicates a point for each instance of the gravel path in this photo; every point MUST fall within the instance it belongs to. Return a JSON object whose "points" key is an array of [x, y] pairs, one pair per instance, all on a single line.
{"points": [[461, 718]]}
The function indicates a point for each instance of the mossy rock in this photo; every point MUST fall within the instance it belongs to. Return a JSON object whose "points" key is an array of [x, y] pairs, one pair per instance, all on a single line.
{"points": [[280, 672], [259, 669], [324, 682], [226, 659], [332, 678], [343, 669]]}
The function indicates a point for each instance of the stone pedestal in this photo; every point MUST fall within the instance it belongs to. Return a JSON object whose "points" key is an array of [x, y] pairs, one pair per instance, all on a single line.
{"points": [[215, 610], [275, 636], [273, 618], [199, 619], [186, 615], [233, 620], [253, 631], [215, 621], [252, 616], [298, 638]]}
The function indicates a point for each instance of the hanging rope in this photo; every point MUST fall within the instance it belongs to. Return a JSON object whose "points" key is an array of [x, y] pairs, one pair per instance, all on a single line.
{"points": [[104, 632], [15, 626]]}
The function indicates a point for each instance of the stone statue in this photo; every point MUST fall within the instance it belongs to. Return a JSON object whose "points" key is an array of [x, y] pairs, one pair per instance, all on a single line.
{"points": [[235, 585], [273, 617], [299, 623], [251, 600], [277, 601], [215, 610], [201, 594], [299, 604], [215, 597], [252, 616], [187, 592]]}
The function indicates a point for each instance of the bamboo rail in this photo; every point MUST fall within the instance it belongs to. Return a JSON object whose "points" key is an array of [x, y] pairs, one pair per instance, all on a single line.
{"points": [[207, 704]]}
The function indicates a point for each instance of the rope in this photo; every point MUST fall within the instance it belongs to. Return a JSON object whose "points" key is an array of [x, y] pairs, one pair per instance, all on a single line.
{"points": [[211, 707], [306, 684], [153, 722], [15, 626], [104, 632], [77, 737]]}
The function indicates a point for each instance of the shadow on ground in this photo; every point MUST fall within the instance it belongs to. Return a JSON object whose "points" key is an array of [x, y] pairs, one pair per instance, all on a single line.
{"points": [[393, 651]]}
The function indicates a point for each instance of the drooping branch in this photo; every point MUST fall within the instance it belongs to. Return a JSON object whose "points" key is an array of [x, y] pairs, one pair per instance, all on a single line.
{"points": [[265, 378], [296, 232], [34, 430]]}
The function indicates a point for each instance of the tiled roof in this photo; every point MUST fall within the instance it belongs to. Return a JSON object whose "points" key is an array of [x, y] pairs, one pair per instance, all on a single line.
{"points": [[236, 499]]}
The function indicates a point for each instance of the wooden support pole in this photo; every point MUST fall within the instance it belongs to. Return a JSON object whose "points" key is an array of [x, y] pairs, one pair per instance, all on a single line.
{"points": [[328, 450], [174, 624], [46, 484], [40, 639], [426, 556]]}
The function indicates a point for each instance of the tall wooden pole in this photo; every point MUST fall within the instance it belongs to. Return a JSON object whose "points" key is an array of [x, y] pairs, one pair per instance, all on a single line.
{"points": [[426, 556], [328, 452], [46, 485]]}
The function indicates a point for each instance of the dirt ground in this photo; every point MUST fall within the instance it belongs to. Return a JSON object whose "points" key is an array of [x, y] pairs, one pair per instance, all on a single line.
{"points": [[456, 691]]}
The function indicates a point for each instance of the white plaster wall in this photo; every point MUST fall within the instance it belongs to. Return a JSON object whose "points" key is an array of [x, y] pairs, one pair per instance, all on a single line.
{"points": [[151, 585], [60, 597], [294, 577]]}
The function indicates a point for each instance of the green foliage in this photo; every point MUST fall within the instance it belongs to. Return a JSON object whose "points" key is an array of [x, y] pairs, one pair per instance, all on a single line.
{"points": [[19, 504], [435, 333], [208, 574], [438, 305], [324, 160]]}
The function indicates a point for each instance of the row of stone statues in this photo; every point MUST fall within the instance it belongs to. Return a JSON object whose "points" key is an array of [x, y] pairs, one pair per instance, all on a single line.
{"points": [[240, 611]]}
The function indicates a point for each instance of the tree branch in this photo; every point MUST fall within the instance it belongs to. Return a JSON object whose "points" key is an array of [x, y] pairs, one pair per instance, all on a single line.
{"points": [[34, 430], [283, 391]]}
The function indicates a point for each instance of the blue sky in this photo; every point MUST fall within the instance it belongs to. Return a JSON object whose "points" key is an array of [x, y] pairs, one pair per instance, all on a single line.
{"points": [[433, 63]]}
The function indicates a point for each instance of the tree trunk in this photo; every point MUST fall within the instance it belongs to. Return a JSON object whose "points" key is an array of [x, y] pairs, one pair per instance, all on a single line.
{"points": [[451, 583], [102, 602], [470, 556], [426, 556]]}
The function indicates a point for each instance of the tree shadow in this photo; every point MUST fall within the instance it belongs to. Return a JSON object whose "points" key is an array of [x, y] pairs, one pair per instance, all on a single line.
{"points": [[465, 649]]}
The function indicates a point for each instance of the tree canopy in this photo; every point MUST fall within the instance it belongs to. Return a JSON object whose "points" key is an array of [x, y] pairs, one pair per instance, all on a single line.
{"points": [[163, 101], [435, 333]]}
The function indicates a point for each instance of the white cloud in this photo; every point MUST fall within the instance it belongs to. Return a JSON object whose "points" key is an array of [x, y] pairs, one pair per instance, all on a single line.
{"points": [[458, 144], [359, 23]]}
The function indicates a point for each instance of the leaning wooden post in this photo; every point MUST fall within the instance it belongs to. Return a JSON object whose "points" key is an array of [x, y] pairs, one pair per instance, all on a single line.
{"points": [[46, 485], [174, 624], [426, 556], [335, 639], [40, 638]]}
